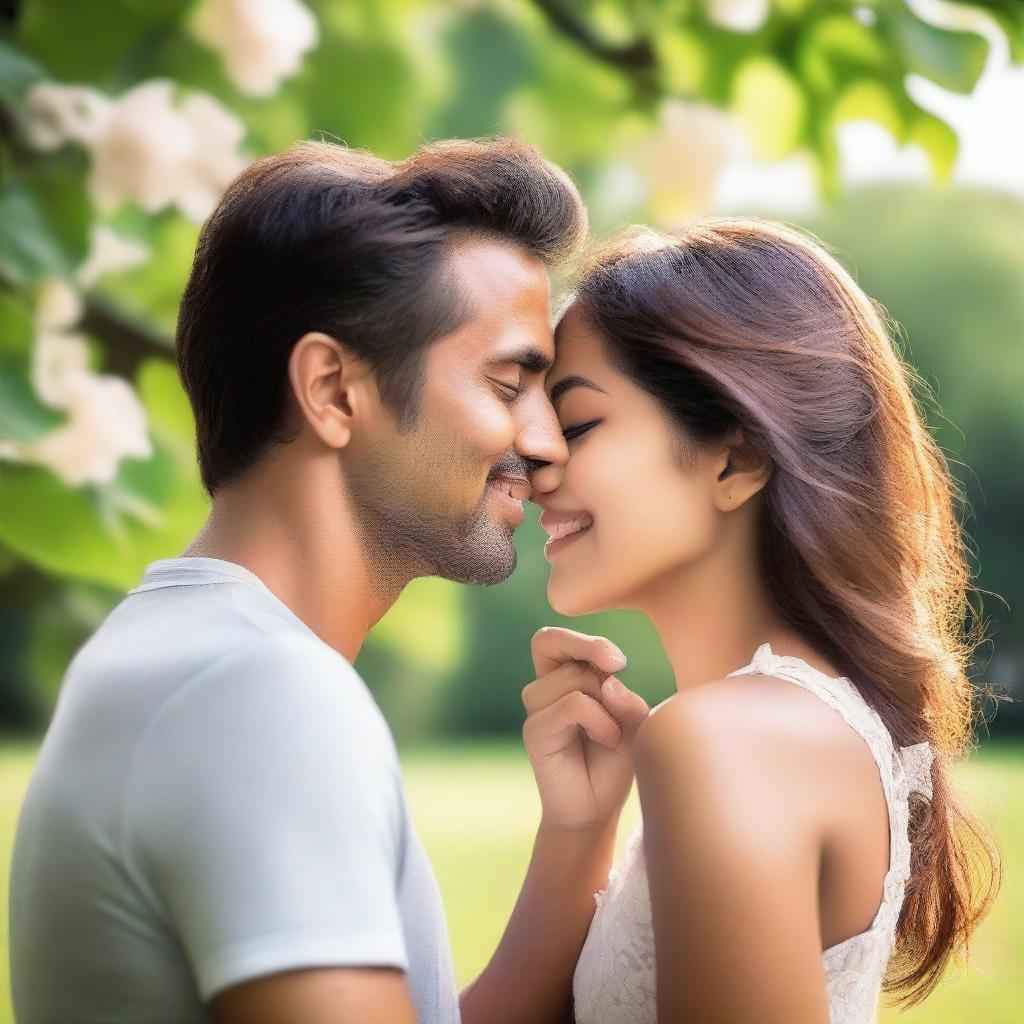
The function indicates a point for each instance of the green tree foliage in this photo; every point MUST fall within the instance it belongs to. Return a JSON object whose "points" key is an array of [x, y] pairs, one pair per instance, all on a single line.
{"points": [[582, 79]]}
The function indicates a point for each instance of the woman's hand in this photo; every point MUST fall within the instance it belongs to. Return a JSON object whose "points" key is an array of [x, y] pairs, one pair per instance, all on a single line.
{"points": [[579, 728]]}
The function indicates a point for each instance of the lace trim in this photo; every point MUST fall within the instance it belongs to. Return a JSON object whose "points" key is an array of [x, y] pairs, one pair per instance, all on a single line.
{"points": [[903, 771], [615, 977]]}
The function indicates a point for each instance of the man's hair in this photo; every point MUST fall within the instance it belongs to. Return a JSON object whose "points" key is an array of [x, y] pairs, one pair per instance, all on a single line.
{"points": [[326, 238]]}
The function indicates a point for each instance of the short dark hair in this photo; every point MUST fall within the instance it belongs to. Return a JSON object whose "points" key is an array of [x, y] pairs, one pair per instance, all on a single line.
{"points": [[326, 238]]}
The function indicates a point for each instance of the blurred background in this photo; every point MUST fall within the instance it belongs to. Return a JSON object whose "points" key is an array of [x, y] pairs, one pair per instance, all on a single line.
{"points": [[892, 129]]}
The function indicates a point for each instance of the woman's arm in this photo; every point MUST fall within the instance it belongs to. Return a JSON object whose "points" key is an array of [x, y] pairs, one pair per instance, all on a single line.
{"points": [[578, 735], [732, 840], [529, 978]]}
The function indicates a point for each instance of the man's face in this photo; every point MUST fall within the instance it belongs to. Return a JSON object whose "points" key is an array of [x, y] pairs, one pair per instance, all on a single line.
{"points": [[433, 500]]}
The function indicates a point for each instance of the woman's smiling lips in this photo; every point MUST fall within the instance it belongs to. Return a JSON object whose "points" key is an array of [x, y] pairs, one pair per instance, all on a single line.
{"points": [[563, 528]]}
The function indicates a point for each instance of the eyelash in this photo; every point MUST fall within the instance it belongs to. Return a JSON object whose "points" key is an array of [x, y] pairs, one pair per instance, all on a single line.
{"points": [[571, 433], [510, 393]]}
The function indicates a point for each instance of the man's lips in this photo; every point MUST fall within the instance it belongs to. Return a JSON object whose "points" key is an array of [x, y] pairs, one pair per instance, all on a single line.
{"points": [[517, 487]]}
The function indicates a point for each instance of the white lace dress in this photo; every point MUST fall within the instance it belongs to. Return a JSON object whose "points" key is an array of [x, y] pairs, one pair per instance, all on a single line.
{"points": [[614, 982]]}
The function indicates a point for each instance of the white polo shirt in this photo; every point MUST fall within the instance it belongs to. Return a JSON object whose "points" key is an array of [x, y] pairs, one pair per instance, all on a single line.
{"points": [[217, 797]]}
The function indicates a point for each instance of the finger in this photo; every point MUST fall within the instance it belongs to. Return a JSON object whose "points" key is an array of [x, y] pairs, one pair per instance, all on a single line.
{"points": [[552, 646], [573, 675], [629, 709], [560, 723]]}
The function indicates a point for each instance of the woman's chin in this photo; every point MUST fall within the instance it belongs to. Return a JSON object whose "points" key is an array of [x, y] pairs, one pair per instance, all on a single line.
{"points": [[570, 601]]}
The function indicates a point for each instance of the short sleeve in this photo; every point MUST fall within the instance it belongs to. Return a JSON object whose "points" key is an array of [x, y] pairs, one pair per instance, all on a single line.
{"points": [[265, 813]]}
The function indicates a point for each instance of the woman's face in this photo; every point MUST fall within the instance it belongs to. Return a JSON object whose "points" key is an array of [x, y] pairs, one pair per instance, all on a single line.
{"points": [[651, 515]]}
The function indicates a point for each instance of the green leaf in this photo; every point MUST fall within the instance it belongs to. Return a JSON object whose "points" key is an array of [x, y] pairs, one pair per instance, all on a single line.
{"points": [[110, 533], [17, 73], [1010, 16], [835, 48], [22, 416], [489, 58], [938, 140], [770, 104], [682, 60], [16, 328], [29, 249], [91, 42], [869, 99], [952, 59]]}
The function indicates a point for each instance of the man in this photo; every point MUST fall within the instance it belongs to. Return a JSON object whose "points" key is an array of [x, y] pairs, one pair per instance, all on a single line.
{"points": [[217, 826]]}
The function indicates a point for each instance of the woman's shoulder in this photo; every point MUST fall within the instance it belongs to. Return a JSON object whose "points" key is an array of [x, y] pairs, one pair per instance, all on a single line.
{"points": [[753, 738], [762, 708]]}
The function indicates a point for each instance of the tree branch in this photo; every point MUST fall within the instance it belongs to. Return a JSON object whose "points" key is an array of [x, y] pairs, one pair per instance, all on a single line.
{"points": [[636, 58], [127, 340]]}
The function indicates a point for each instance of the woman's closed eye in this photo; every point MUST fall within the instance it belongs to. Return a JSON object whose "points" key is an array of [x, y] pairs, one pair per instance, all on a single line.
{"points": [[570, 433]]}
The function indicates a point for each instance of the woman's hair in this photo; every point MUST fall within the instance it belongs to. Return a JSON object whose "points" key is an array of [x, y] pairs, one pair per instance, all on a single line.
{"points": [[742, 323], [326, 238]]}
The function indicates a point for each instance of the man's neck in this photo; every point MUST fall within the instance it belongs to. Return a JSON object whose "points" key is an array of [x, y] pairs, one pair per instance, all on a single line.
{"points": [[305, 549]]}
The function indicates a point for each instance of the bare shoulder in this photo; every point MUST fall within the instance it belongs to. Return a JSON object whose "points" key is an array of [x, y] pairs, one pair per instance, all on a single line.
{"points": [[737, 781], [760, 744]]}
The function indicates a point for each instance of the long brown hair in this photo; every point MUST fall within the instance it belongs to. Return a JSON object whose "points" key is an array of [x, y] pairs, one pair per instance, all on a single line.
{"points": [[736, 322]]}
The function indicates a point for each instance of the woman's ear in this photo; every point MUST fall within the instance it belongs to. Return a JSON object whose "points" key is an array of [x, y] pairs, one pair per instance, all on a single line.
{"points": [[742, 472]]}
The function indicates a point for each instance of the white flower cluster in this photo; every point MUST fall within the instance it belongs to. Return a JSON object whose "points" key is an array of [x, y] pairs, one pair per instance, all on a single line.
{"points": [[157, 149], [143, 146], [739, 15], [261, 42], [684, 157], [105, 419]]}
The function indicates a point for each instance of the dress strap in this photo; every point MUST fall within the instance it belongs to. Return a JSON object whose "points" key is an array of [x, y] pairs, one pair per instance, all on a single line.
{"points": [[909, 767]]}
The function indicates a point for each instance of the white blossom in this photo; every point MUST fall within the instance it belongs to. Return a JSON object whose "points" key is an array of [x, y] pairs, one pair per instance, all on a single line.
{"points": [[65, 113], [684, 157], [739, 15], [105, 419], [144, 146], [58, 305], [59, 362], [261, 42], [109, 252], [106, 422]]}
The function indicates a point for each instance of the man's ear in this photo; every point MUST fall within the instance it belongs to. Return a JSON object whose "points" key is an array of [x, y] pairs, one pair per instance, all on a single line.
{"points": [[331, 386], [741, 472]]}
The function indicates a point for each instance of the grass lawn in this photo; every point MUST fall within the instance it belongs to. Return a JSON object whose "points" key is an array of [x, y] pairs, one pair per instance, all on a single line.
{"points": [[476, 810]]}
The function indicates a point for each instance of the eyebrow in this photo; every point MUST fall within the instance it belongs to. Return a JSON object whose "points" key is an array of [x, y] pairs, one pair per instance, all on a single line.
{"points": [[532, 360], [568, 383]]}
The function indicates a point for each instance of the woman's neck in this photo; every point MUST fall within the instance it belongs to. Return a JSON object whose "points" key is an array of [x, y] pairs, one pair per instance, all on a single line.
{"points": [[712, 614]]}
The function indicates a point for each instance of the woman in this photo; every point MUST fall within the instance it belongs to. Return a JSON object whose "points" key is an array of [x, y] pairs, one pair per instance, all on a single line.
{"points": [[748, 467]]}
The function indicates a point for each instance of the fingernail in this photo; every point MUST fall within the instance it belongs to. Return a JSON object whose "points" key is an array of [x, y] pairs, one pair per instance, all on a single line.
{"points": [[616, 657], [615, 686]]}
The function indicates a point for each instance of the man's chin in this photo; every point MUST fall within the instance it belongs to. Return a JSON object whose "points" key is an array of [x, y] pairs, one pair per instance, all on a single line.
{"points": [[484, 565]]}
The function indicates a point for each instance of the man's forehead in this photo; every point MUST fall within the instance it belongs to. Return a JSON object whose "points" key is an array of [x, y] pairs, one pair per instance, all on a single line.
{"points": [[486, 265], [506, 296]]}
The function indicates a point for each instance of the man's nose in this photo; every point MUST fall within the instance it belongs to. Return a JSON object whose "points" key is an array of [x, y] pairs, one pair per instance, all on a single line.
{"points": [[544, 478], [544, 450], [539, 441]]}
